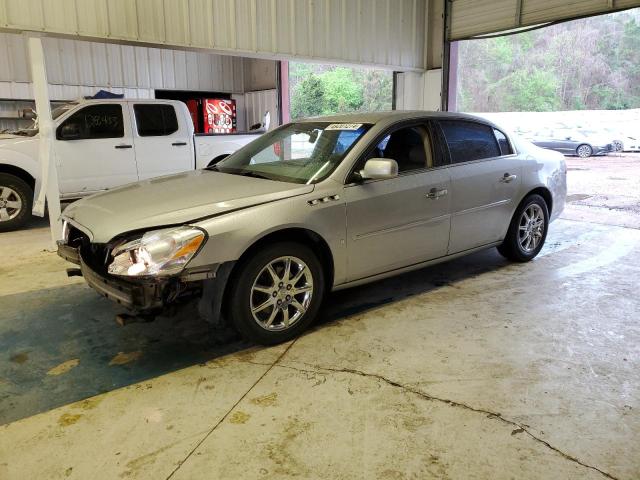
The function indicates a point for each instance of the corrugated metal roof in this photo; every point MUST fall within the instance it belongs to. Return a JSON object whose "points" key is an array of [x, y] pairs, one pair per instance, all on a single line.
{"points": [[76, 63], [389, 33]]}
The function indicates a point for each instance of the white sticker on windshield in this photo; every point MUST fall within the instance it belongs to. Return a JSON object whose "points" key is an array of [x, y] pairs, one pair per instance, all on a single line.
{"points": [[344, 126]]}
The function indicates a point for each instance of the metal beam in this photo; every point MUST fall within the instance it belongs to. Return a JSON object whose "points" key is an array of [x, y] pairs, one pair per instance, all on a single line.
{"points": [[446, 56], [47, 188], [519, 13]]}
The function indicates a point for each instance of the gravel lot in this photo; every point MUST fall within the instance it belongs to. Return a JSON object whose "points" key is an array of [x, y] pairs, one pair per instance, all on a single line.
{"points": [[604, 189]]}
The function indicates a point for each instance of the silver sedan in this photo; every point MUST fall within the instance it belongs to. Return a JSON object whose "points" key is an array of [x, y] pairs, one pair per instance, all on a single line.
{"points": [[316, 205]]}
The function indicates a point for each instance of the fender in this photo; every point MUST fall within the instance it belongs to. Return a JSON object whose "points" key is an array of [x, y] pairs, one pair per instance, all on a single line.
{"points": [[20, 160], [21, 153]]}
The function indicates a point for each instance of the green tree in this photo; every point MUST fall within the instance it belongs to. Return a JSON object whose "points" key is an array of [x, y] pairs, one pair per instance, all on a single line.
{"points": [[533, 91], [326, 89], [592, 63], [308, 98], [342, 92]]}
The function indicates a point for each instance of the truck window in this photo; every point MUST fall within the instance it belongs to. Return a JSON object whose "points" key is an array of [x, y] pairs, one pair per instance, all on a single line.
{"points": [[155, 120], [93, 121]]}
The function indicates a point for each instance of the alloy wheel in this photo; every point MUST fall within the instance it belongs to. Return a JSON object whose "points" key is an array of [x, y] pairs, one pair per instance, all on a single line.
{"points": [[584, 151], [531, 228], [281, 293], [10, 204]]}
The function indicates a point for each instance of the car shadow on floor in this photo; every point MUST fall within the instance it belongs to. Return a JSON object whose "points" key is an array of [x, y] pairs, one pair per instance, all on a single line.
{"points": [[61, 345]]}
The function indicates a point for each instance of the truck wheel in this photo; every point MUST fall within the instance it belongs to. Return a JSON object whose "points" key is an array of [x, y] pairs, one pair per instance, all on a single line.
{"points": [[276, 293], [16, 199], [527, 231]]}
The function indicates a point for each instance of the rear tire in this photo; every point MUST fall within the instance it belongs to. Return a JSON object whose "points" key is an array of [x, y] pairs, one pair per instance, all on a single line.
{"points": [[270, 303], [584, 151], [527, 230], [16, 200]]}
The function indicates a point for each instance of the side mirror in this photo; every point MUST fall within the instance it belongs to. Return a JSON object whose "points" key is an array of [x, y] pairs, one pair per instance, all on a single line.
{"points": [[70, 131], [29, 113], [568, 138], [379, 168]]}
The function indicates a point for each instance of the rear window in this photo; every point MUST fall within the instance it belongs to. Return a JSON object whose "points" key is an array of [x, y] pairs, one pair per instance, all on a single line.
{"points": [[469, 141], [155, 120], [505, 147]]}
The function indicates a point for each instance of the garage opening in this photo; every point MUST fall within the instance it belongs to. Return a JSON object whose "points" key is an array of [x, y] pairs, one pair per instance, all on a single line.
{"points": [[573, 87], [319, 89]]}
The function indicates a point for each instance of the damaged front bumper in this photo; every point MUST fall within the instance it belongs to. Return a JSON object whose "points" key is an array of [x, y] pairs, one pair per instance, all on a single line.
{"points": [[136, 296], [152, 295]]}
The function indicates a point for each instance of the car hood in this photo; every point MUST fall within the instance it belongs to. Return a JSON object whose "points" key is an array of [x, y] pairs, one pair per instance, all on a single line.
{"points": [[172, 200]]}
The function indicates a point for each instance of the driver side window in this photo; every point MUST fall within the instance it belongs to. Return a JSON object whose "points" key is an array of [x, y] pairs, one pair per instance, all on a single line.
{"points": [[410, 147], [93, 121]]}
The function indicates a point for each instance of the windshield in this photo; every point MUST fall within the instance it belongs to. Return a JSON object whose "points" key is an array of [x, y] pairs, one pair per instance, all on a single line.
{"points": [[56, 112], [304, 152], [33, 130]]}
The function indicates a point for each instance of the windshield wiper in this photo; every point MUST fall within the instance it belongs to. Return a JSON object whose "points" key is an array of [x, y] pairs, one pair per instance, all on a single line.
{"points": [[251, 173]]}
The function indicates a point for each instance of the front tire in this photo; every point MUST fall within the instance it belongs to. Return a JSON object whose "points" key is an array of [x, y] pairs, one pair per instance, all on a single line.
{"points": [[16, 199], [584, 151], [276, 293], [527, 231], [618, 146]]}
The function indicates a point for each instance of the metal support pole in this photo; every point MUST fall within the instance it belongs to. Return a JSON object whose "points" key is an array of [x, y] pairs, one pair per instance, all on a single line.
{"points": [[48, 185], [282, 81], [446, 54]]}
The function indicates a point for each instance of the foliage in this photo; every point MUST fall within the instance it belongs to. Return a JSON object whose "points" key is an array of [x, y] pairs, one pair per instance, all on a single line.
{"points": [[592, 63], [324, 89], [308, 98]]}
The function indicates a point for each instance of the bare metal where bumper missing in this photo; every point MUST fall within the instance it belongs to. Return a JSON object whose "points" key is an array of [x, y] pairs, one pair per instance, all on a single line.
{"points": [[70, 254]]}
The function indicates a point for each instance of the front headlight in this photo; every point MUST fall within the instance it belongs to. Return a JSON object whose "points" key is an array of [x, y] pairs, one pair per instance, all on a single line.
{"points": [[159, 252]]}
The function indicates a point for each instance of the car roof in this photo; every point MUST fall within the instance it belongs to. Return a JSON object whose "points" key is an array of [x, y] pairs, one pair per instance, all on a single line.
{"points": [[393, 116], [83, 101]]}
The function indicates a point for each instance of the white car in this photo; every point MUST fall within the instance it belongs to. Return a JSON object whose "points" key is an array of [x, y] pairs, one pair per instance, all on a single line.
{"points": [[102, 144]]}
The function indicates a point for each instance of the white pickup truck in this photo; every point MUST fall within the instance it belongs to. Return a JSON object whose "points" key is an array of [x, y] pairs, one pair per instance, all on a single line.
{"points": [[102, 144]]}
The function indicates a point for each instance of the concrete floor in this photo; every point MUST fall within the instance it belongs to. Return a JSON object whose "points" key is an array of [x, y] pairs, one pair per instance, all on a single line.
{"points": [[473, 369]]}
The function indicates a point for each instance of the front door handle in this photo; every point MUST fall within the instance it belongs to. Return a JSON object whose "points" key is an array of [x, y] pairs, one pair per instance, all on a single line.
{"points": [[179, 144], [435, 193], [506, 178], [122, 145]]}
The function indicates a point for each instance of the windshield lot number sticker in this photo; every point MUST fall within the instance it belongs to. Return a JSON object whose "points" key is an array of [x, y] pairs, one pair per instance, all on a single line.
{"points": [[344, 126]]}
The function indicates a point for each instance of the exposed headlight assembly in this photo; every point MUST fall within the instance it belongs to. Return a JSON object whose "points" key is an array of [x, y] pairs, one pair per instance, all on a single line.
{"points": [[159, 252]]}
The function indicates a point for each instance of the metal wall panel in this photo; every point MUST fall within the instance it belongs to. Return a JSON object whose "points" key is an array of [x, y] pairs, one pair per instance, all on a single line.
{"points": [[388, 33], [419, 91], [77, 63], [478, 17], [257, 103]]}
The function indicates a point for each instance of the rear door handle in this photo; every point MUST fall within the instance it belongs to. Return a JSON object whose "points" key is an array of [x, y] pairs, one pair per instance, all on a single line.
{"points": [[506, 178], [435, 193], [122, 145], [179, 144]]}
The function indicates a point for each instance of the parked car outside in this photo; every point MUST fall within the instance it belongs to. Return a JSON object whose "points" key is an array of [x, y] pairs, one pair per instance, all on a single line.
{"points": [[631, 144], [316, 205], [624, 141], [580, 142], [103, 144]]}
